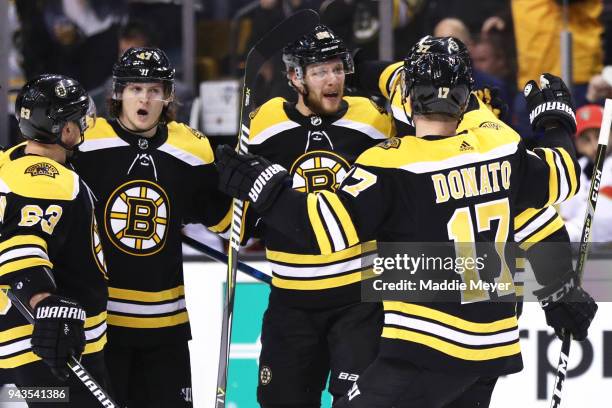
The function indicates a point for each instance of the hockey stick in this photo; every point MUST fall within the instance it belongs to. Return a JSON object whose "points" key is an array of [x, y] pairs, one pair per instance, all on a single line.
{"points": [[221, 257], [75, 366], [289, 30], [585, 241]]}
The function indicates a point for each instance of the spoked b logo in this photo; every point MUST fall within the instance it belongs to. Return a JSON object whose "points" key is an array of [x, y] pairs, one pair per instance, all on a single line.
{"points": [[136, 217]]}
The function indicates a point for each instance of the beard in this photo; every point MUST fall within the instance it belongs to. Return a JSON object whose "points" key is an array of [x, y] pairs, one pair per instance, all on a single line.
{"points": [[316, 105]]}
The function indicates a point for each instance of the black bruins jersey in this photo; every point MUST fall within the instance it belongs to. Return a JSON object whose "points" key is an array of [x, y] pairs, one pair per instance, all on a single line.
{"points": [[147, 189], [435, 189], [47, 219], [530, 225], [318, 151]]}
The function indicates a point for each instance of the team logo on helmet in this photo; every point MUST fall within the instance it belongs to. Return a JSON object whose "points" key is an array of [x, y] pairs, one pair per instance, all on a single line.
{"points": [[321, 35], [318, 170], [42, 169], [60, 90], [528, 89], [265, 375], [136, 217]]}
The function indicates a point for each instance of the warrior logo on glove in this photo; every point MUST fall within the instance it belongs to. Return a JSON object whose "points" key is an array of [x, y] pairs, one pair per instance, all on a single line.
{"points": [[550, 103], [263, 179]]}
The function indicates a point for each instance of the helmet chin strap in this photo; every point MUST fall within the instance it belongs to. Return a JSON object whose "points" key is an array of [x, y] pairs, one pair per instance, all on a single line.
{"points": [[137, 131]]}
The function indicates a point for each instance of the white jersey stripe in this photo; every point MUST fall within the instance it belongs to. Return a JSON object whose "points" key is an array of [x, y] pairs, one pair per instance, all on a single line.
{"points": [[182, 155], [271, 131], [99, 144], [450, 334], [23, 252], [321, 271], [534, 224], [332, 225], [364, 128], [122, 307]]}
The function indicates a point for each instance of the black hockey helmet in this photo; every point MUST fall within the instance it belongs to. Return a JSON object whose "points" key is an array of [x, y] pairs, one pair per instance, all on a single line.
{"points": [[143, 64], [438, 76], [46, 103], [320, 45]]}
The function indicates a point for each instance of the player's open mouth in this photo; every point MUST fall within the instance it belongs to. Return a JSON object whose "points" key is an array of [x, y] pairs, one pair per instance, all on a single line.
{"points": [[331, 95], [142, 113]]}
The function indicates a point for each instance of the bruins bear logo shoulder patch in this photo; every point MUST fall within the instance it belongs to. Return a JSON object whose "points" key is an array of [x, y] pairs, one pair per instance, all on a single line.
{"points": [[392, 143], [42, 169]]}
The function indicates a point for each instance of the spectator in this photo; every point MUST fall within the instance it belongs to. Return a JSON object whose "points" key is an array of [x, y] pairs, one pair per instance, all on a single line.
{"points": [[538, 45], [357, 22], [139, 34], [600, 85], [588, 120], [477, 15], [452, 27], [60, 35]]}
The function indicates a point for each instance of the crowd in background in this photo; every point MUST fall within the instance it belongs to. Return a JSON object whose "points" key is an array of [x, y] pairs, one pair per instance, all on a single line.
{"points": [[510, 41]]}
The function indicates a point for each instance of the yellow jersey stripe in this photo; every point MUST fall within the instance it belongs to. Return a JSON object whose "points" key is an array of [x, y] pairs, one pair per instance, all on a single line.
{"points": [[450, 320], [222, 225], [326, 283], [147, 322], [525, 216], [30, 357], [95, 320], [343, 216], [20, 264], [543, 233], [189, 145], [20, 240], [451, 349], [139, 296], [26, 330], [553, 182], [299, 259], [317, 225], [569, 164], [386, 76]]}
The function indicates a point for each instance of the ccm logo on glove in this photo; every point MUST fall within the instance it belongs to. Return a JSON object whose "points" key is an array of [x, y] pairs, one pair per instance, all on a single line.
{"points": [[551, 106], [60, 312], [262, 180]]}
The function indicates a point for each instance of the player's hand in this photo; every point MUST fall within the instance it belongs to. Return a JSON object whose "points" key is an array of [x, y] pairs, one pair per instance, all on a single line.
{"points": [[550, 104], [58, 333], [568, 308], [249, 177], [490, 97]]}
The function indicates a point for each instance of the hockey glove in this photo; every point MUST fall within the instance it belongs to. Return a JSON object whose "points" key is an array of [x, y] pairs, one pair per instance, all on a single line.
{"points": [[58, 333], [249, 177], [490, 97], [568, 308], [550, 103]]}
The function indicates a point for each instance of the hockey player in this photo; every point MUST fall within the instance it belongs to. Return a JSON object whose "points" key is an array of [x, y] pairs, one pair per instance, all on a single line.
{"points": [[315, 322], [50, 253], [151, 175], [430, 353], [484, 108]]}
